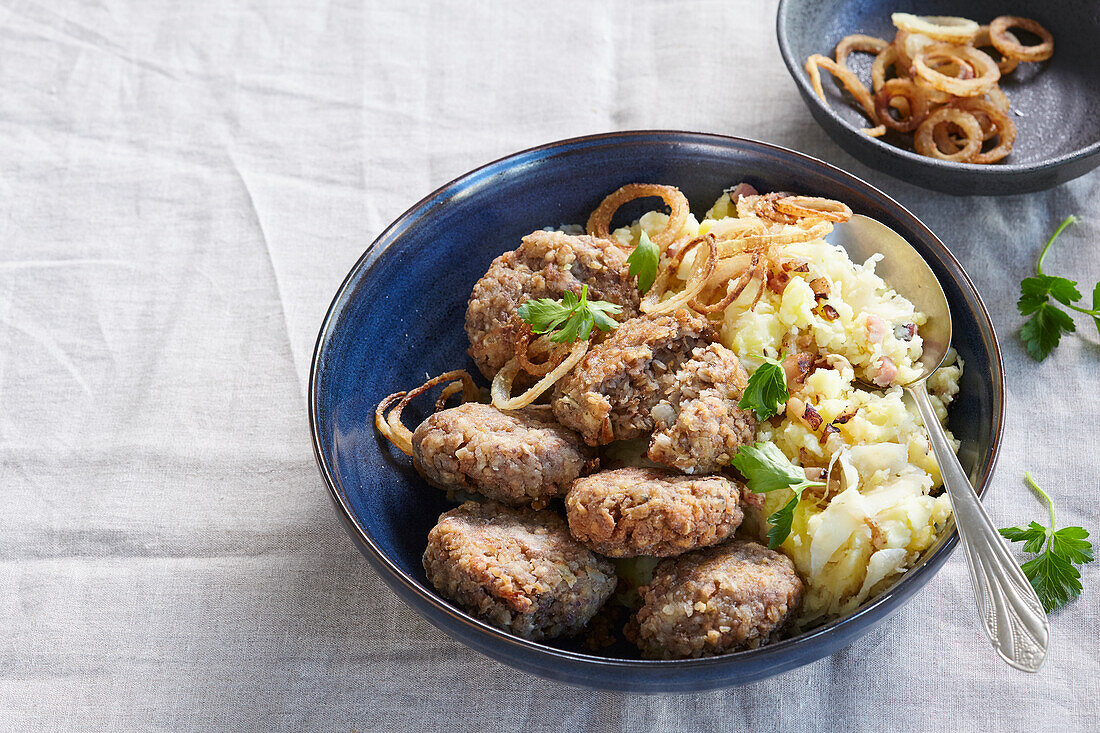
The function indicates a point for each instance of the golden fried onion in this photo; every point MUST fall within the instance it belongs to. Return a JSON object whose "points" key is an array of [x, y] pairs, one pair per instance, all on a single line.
{"points": [[858, 42], [1011, 47], [814, 207], [981, 64], [948, 28], [599, 222], [701, 272], [850, 81], [916, 107], [391, 426], [1007, 64], [502, 383], [925, 143]]}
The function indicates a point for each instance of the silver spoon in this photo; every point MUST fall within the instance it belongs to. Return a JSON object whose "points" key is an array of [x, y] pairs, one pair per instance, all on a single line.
{"points": [[1010, 611]]}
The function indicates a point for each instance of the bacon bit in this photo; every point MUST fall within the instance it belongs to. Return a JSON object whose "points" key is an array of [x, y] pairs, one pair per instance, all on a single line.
{"points": [[795, 265], [876, 328], [752, 499], [906, 332], [812, 417], [778, 282], [829, 430], [885, 373], [829, 313], [814, 473], [742, 189], [841, 419], [797, 366], [820, 286]]}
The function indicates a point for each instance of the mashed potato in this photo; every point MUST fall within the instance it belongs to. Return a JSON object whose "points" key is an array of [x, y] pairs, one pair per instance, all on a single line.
{"points": [[879, 512]]}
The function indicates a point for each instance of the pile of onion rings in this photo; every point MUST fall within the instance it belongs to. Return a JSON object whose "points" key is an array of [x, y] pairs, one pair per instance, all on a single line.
{"points": [[943, 88]]}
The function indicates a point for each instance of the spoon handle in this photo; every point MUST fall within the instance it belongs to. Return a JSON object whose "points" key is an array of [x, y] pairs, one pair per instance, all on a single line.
{"points": [[1010, 611]]}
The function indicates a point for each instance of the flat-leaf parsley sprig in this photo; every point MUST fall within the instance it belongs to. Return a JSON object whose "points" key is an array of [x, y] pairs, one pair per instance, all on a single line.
{"points": [[570, 318], [767, 389], [643, 262], [765, 469], [1042, 332], [1052, 571]]}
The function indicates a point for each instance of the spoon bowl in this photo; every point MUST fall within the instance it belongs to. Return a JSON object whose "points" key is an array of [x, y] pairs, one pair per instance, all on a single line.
{"points": [[1010, 610]]}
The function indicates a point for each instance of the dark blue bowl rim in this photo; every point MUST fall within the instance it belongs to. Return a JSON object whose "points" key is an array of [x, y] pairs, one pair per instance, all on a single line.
{"points": [[932, 559], [999, 170]]}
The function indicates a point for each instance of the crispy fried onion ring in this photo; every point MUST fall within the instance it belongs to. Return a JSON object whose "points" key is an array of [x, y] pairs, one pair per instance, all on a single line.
{"points": [[600, 221], [1006, 65], [391, 426], [814, 207], [787, 235], [701, 272], [1010, 46], [886, 58], [858, 42], [981, 65], [502, 382], [850, 81], [523, 345], [756, 269], [876, 131], [925, 144], [908, 45], [765, 208], [916, 107], [1001, 125], [947, 28]]}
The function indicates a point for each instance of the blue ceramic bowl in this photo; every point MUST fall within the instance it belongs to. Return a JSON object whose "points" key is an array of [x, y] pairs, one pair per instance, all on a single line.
{"points": [[1056, 100], [399, 315]]}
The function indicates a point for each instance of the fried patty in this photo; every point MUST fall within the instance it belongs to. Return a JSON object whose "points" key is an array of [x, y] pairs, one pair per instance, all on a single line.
{"points": [[516, 457], [717, 600], [518, 569], [612, 391], [698, 427], [545, 265], [652, 511]]}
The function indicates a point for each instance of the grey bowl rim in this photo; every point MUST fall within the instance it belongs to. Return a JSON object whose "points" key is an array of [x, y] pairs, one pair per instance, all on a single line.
{"points": [[996, 170]]}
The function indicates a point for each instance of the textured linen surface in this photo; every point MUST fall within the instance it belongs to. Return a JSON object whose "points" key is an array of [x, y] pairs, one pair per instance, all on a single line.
{"points": [[183, 186]]}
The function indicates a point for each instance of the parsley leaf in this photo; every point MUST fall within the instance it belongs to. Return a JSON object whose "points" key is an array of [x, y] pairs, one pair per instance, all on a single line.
{"points": [[570, 318], [1052, 571], [766, 391], [765, 469], [1042, 332], [643, 262]]}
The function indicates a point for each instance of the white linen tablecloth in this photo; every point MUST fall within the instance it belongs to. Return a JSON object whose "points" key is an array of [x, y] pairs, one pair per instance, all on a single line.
{"points": [[182, 188]]}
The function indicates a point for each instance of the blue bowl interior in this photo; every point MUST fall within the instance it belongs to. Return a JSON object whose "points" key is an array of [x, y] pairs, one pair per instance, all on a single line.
{"points": [[400, 317]]}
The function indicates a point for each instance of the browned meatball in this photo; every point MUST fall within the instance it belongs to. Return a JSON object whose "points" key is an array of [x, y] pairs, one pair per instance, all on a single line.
{"points": [[517, 569], [610, 394], [545, 265], [698, 426], [652, 511], [518, 457], [714, 601]]}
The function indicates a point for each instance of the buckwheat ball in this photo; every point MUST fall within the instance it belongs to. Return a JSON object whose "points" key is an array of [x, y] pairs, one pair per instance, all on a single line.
{"points": [[516, 457], [635, 511], [545, 265], [717, 600], [612, 391], [518, 569]]}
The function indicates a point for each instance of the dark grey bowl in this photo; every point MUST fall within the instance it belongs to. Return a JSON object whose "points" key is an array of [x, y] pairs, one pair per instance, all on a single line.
{"points": [[400, 314], [1059, 128]]}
